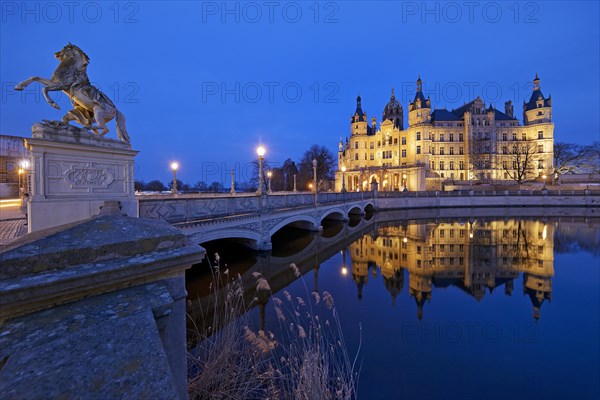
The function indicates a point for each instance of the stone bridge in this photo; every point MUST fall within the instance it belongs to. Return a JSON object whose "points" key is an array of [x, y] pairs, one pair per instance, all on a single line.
{"points": [[252, 218]]}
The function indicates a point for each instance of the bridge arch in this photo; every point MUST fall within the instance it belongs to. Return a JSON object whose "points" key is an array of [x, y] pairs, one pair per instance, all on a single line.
{"points": [[333, 211], [301, 220], [248, 236]]}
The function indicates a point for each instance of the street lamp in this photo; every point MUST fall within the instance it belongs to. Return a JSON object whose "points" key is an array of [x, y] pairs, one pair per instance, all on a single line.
{"points": [[261, 156], [269, 175], [23, 167], [343, 179], [544, 178], [314, 162], [404, 179], [232, 190], [295, 190], [174, 168]]}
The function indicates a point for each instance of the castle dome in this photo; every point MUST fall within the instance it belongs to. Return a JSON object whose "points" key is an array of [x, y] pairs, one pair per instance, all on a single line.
{"points": [[393, 111]]}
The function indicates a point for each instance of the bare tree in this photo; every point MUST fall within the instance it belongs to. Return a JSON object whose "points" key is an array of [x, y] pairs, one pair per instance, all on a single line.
{"points": [[571, 158], [479, 155], [521, 164]]}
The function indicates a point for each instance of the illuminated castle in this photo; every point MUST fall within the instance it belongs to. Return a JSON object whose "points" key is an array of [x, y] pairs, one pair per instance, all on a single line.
{"points": [[438, 146]]}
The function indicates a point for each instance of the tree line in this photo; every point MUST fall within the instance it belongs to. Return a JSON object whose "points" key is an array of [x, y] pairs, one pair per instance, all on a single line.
{"points": [[281, 177]]}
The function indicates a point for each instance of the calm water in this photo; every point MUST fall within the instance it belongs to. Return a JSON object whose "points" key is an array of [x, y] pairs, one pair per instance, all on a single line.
{"points": [[460, 308]]}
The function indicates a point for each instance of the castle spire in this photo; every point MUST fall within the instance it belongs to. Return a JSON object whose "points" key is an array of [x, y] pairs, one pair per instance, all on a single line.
{"points": [[536, 82]]}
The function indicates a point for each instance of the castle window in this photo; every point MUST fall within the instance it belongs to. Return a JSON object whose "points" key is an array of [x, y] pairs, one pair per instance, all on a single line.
{"points": [[540, 164], [451, 150], [461, 165], [356, 145], [441, 150], [395, 140], [441, 137], [461, 137], [524, 136], [504, 149], [372, 145], [430, 136], [514, 136], [540, 148], [371, 156], [403, 153], [442, 165], [461, 150], [451, 164], [418, 135], [378, 143], [404, 141], [504, 136], [431, 150], [540, 113], [356, 157], [540, 134], [452, 137], [418, 149]]}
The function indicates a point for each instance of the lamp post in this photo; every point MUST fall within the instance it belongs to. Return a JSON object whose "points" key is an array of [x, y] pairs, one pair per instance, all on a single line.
{"points": [[295, 190], [404, 180], [232, 191], [544, 178], [23, 167], [261, 156], [174, 168], [314, 162], [269, 175], [343, 179]]}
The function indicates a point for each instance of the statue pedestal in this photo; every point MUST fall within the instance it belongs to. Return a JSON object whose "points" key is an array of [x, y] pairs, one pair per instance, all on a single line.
{"points": [[74, 172]]}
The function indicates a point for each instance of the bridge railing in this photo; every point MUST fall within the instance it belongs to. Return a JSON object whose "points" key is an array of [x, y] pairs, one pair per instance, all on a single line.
{"points": [[193, 207], [479, 193]]}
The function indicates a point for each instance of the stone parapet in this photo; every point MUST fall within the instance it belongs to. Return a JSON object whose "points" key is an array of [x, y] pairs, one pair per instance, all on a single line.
{"points": [[95, 308]]}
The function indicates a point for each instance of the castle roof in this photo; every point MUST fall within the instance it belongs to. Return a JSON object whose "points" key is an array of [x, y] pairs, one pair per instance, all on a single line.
{"points": [[535, 95], [444, 115]]}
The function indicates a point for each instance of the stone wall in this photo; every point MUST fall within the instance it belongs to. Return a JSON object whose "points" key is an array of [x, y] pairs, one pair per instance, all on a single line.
{"points": [[95, 309]]}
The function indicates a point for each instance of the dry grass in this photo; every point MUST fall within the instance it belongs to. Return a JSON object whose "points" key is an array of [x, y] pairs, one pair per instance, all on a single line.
{"points": [[304, 359]]}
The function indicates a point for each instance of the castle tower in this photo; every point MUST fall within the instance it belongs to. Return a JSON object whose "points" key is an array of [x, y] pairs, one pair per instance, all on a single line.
{"points": [[393, 111], [420, 108], [509, 109], [359, 120], [538, 109]]}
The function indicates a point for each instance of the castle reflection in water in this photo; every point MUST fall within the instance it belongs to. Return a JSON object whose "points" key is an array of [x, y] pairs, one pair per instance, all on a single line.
{"points": [[474, 256]]}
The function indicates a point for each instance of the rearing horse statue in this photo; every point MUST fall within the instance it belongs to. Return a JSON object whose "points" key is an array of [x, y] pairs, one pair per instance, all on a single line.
{"points": [[91, 107]]}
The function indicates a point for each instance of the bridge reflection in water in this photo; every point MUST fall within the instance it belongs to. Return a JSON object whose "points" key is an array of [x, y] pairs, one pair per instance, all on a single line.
{"points": [[477, 254]]}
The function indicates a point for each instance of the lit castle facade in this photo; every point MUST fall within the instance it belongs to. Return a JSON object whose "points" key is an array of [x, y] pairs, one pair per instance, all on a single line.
{"points": [[474, 142]]}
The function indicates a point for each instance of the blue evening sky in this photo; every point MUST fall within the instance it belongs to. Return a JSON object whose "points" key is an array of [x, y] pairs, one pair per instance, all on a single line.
{"points": [[205, 82]]}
